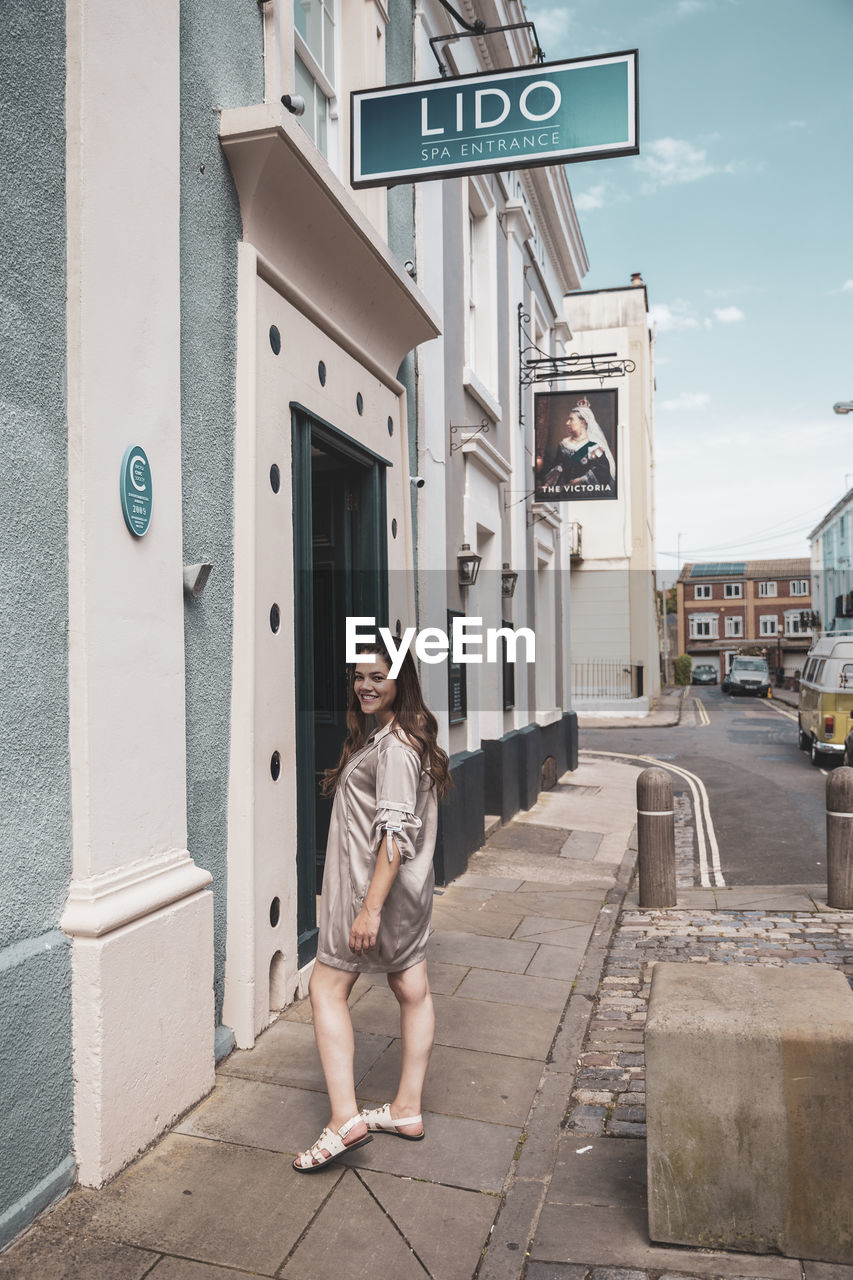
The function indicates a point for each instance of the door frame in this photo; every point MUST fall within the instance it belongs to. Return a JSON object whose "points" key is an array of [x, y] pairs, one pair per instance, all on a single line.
{"points": [[370, 552]]}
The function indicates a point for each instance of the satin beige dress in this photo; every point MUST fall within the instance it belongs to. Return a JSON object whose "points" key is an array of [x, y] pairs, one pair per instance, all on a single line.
{"points": [[382, 789]]}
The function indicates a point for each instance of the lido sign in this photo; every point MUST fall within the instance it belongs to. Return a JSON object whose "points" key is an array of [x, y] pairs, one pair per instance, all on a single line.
{"points": [[554, 113]]}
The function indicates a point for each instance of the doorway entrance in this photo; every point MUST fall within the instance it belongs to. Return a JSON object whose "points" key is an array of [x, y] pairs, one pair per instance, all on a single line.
{"points": [[340, 570]]}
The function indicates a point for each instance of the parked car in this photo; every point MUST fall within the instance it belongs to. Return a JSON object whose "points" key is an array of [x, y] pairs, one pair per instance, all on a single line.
{"points": [[748, 674], [705, 673], [825, 712]]}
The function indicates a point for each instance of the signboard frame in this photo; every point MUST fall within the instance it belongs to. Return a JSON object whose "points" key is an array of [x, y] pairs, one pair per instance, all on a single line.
{"points": [[391, 178], [596, 479]]}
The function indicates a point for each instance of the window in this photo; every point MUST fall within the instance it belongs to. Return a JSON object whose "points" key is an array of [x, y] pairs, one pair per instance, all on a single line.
{"points": [[794, 623], [733, 590], [800, 587], [734, 626], [704, 626], [767, 588], [314, 68], [768, 625], [702, 593], [480, 285]]}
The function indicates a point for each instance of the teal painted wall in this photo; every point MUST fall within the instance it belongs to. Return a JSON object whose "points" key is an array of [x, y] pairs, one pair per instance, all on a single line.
{"points": [[399, 69], [35, 796], [222, 65]]}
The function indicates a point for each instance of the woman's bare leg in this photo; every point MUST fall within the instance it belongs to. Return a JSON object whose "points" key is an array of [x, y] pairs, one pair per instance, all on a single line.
{"points": [[417, 1029], [333, 1032]]}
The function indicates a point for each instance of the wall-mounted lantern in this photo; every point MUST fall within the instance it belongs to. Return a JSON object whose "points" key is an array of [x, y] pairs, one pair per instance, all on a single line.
{"points": [[469, 565], [509, 577]]}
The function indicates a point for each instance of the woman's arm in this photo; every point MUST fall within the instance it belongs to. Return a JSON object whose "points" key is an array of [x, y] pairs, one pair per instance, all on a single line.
{"points": [[365, 927]]}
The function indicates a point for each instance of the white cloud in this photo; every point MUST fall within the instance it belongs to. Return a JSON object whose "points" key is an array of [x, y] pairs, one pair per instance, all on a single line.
{"points": [[687, 400], [666, 318], [847, 287], [670, 161], [729, 315], [591, 199]]}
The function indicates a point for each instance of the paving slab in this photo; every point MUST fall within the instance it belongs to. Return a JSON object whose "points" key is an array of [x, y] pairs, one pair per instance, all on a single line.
{"points": [[544, 868], [515, 988], [582, 844], [617, 1236], [352, 1239], [469, 879], [212, 1202], [561, 963], [612, 1172], [529, 837], [827, 1271], [447, 1228], [582, 905], [457, 1152], [460, 1082], [252, 1113], [555, 931], [503, 954], [515, 1030], [589, 881], [183, 1269], [286, 1054], [52, 1253], [469, 918]]}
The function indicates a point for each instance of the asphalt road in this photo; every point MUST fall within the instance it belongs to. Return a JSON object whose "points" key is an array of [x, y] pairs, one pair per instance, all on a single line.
{"points": [[767, 800]]}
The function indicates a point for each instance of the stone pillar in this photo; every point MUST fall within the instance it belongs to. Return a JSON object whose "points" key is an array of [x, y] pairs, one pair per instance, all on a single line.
{"points": [[137, 911]]}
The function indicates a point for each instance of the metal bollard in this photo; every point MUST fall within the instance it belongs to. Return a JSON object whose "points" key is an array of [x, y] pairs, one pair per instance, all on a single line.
{"points": [[656, 838], [839, 839]]}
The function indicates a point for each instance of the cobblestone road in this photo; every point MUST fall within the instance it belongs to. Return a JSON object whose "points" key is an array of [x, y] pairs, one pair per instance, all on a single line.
{"points": [[610, 1088]]}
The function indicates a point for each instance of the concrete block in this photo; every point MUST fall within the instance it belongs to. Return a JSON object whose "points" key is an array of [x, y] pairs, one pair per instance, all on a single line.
{"points": [[749, 1109]]}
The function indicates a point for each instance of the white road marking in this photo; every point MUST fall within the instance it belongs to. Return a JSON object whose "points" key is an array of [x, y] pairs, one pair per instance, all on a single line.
{"points": [[701, 807], [783, 711]]}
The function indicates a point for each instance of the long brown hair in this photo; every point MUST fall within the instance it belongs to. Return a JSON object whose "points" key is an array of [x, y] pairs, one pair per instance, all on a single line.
{"points": [[413, 721]]}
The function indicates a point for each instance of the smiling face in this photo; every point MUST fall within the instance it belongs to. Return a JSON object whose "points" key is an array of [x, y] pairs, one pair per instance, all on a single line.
{"points": [[374, 688]]}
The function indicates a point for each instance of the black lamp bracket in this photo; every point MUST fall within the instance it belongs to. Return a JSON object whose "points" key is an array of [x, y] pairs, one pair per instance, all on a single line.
{"points": [[474, 430], [536, 366], [476, 30]]}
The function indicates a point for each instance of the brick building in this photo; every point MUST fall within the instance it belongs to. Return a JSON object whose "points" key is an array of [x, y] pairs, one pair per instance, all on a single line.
{"points": [[725, 607]]}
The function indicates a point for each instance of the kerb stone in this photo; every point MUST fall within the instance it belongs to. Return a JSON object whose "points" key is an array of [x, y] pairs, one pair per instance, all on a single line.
{"points": [[749, 1110]]}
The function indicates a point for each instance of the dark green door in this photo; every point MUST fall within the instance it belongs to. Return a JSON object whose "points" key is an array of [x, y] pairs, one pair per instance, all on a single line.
{"points": [[340, 570]]}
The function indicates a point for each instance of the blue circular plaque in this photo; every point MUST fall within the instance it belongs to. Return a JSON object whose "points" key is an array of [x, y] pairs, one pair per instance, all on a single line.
{"points": [[136, 490]]}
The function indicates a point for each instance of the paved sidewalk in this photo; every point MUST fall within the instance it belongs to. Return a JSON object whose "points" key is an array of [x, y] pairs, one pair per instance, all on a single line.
{"points": [[534, 1162], [665, 713], [217, 1199]]}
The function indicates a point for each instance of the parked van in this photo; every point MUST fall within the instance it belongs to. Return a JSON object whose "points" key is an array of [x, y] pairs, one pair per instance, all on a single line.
{"points": [[826, 697], [748, 674]]}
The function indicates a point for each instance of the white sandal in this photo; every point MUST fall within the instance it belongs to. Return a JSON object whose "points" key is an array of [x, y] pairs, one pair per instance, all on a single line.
{"points": [[380, 1120], [313, 1159]]}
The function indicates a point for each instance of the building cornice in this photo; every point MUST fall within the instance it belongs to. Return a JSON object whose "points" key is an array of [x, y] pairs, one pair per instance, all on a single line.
{"points": [[305, 222]]}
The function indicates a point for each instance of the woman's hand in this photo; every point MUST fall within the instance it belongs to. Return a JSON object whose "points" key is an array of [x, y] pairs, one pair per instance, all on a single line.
{"points": [[365, 930]]}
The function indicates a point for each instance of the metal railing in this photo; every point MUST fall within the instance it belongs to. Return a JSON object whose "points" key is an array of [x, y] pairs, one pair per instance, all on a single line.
{"points": [[607, 678]]}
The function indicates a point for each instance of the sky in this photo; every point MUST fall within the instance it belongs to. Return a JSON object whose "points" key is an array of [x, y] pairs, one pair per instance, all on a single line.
{"points": [[738, 211]]}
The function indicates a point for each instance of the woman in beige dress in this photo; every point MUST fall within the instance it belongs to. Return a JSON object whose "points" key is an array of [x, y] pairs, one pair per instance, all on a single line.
{"points": [[377, 897]]}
